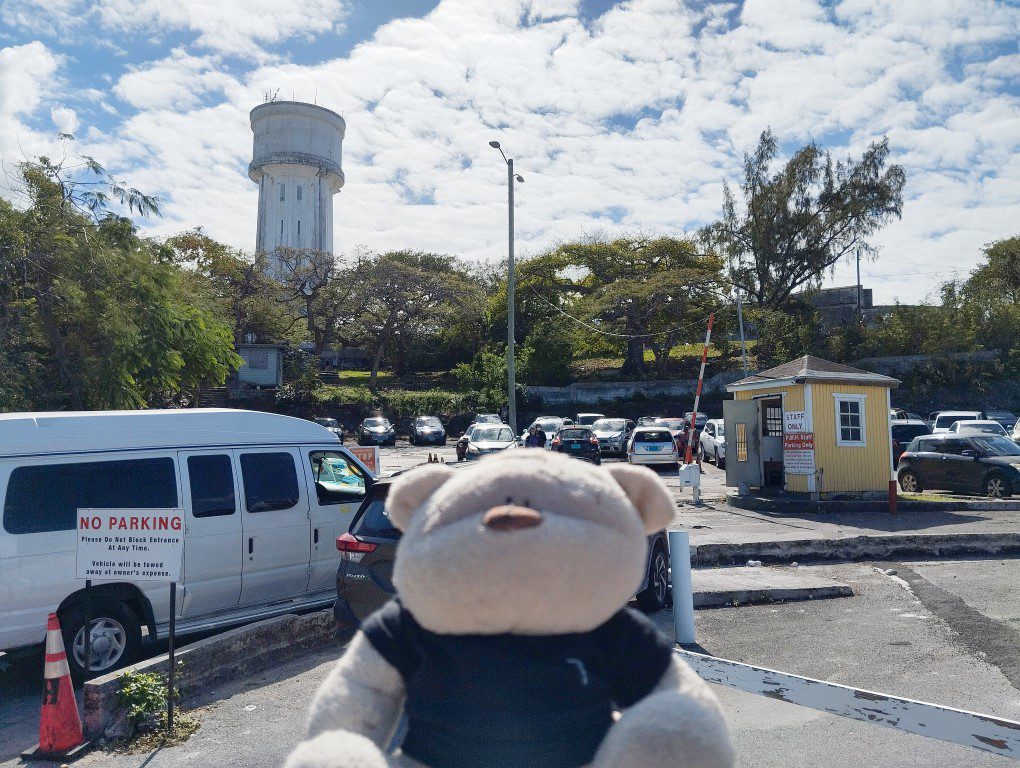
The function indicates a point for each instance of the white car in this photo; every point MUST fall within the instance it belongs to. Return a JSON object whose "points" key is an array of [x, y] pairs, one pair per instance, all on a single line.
{"points": [[713, 442], [489, 438], [551, 425], [985, 426], [613, 435], [652, 445], [943, 420], [264, 498]]}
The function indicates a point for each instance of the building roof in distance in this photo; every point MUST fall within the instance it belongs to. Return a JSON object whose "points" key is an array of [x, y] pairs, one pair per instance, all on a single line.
{"points": [[811, 368], [78, 431]]}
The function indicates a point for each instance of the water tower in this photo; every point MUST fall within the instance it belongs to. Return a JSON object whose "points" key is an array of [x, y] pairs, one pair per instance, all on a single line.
{"points": [[296, 159]]}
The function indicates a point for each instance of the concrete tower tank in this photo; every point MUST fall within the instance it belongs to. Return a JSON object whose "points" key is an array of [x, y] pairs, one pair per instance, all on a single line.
{"points": [[296, 158]]}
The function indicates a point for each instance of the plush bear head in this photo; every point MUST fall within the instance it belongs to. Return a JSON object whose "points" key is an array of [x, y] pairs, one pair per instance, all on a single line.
{"points": [[527, 542]]}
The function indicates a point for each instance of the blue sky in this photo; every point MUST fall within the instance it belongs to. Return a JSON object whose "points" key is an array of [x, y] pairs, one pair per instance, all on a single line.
{"points": [[625, 117]]}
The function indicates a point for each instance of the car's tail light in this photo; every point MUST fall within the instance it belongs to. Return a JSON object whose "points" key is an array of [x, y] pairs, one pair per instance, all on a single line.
{"points": [[350, 543], [556, 441], [593, 440]]}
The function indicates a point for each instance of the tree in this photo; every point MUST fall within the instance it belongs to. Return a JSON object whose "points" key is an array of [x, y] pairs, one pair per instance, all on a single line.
{"points": [[95, 316], [638, 291], [237, 285], [546, 355], [998, 279], [798, 222], [408, 293]]}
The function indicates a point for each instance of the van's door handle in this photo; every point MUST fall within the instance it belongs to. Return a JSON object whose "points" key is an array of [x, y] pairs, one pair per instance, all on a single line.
{"points": [[316, 536], [251, 545]]}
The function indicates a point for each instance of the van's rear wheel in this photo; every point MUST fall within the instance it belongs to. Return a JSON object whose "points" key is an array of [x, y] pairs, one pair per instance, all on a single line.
{"points": [[116, 637]]}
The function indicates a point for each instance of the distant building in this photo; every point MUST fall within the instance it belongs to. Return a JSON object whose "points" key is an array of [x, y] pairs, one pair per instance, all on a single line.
{"points": [[263, 365], [839, 306], [296, 161]]}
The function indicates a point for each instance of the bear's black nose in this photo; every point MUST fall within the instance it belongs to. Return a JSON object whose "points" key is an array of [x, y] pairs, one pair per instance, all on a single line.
{"points": [[509, 517]]}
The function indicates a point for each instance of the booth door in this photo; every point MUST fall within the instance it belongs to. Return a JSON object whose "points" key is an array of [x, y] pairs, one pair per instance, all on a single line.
{"points": [[743, 443]]}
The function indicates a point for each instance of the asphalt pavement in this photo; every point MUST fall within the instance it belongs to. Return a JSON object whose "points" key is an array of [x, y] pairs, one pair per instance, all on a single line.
{"points": [[888, 638]]}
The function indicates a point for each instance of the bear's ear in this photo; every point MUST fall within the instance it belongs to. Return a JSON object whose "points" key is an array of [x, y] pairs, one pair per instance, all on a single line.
{"points": [[647, 493], [413, 489]]}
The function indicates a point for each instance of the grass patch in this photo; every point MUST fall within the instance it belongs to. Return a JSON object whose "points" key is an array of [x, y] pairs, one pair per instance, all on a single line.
{"points": [[150, 739]]}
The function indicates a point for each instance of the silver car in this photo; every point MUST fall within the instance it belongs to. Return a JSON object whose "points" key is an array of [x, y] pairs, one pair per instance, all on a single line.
{"points": [[713, 442], [613, 435], [484, 439]]}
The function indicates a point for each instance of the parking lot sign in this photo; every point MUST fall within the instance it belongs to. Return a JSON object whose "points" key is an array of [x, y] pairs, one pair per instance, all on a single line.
{"points": [[130, 544]]}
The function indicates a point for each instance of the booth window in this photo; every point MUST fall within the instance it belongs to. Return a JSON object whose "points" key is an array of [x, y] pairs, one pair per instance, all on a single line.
{"points": [[741, 442], [850, 420], [772, 418]]}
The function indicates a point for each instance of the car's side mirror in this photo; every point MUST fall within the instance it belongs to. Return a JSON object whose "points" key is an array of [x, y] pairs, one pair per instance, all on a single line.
{"points": [[970, 454]]}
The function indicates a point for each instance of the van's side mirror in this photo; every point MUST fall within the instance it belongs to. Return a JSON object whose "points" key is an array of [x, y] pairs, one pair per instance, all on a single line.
{"points": [[969, 454]]}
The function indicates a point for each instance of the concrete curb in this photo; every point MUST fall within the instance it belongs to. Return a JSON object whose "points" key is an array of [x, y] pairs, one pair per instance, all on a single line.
{"points": [[800, 506], [226, 656], [851, 548], [730, 598]]}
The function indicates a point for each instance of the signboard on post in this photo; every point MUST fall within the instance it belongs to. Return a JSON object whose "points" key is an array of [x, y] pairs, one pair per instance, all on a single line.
{"points": [[367, 455], [795, 421], [130, 544], [799, 453]]}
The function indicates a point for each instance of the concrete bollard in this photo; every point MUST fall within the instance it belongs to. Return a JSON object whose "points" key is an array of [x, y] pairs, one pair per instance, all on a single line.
{"points": [[683, 589]]}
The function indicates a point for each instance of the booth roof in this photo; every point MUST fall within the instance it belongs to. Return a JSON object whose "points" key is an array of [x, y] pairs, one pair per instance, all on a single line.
{"points": [[811, 368]]}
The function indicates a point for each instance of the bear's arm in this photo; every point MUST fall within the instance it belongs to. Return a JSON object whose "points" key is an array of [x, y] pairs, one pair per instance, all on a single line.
{"points": [[363, 694]]}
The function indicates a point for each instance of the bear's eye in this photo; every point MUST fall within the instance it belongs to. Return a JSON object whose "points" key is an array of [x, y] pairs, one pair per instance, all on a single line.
{"points": [[509, 499], [527, 503]]}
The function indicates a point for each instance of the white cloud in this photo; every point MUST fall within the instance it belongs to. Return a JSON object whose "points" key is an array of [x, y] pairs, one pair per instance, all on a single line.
{"points": [[64, 119], [27, 75], [178, 82], [639, 116]]}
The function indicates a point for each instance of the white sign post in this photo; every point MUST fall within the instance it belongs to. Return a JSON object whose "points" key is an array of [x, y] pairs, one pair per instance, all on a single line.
{"points": [[131, 545]]}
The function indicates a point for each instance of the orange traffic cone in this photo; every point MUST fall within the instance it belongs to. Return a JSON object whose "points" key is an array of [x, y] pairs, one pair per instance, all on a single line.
{"points": [[60, 733]]}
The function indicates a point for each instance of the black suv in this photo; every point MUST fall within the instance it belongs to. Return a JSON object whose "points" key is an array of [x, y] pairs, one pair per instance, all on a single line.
{"points": [[975, 463], [364, 578]]}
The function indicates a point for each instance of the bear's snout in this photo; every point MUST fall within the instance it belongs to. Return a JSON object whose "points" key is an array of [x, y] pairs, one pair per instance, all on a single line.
{"points": [[510, 517]]}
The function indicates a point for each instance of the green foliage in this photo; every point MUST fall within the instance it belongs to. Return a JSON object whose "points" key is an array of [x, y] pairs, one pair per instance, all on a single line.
{"points": [[92, 315], [485, 377], [802, 219], [405, 404], [344, 395], [145, 696], [546, 355]]}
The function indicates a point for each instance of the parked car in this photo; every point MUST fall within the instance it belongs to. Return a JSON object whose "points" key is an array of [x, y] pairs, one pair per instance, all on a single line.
{"points": [[578, 441], [1006, 418], [613, 435], [648, 421], [943, 420], [484, 439], [487, 418], [264, 497], [364, 578], [551, 425], [1015, 434], [587, 419], [675, 425], [376, 430], [713, 442], [984, 426], [903, 432], [653, 445], [427, 430], [965, 462], [700, 423], [332, 425]]}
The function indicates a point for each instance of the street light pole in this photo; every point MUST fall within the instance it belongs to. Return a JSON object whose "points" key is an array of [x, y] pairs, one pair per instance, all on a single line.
{"points": [[511, 372]]}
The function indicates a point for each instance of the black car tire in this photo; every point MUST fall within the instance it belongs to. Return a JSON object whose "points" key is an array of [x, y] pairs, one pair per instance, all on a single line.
{"points": [[997, 486], [443, 441], [910, 482], [121, 621], [655, 596]]}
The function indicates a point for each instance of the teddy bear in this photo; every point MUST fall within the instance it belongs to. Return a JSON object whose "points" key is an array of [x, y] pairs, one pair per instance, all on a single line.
{"points": [[510, 643]]}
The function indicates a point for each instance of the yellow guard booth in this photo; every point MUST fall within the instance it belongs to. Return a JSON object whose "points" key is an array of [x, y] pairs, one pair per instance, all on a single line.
{"points": [[810, 426]]}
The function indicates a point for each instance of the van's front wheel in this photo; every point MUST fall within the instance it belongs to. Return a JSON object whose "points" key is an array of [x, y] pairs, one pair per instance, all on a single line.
{"points": [[116, 637]]}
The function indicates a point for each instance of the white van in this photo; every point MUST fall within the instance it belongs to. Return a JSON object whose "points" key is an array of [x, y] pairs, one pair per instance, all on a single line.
{"points": [[265, 497]]}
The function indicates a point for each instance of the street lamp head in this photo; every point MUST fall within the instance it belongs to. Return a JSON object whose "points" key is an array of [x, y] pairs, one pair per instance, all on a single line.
{"points": [[494, 144], [519, 178]]}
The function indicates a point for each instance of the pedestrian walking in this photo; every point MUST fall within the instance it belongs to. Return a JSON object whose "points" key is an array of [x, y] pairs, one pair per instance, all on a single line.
{"points": [[681, 445], [541, 436], [531, 441]]}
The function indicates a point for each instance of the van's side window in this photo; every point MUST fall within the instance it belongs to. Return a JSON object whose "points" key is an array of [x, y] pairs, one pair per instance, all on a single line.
{"points": [[212, 486], [270, 481], [47, 497], [337, 480]]}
